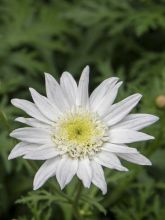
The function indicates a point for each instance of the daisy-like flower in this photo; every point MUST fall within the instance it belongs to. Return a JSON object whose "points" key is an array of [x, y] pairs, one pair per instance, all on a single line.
{"points": [[77, 134]]}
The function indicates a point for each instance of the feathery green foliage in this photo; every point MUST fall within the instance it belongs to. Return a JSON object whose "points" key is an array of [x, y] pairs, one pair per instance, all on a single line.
{"points": [[123, 38]]}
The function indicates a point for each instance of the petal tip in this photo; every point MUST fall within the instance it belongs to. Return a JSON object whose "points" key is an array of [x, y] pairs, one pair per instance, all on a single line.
{"points": [[104, 189], [11, 134], [120, 83], [11, 156], [139, 95], [62, 187], [35, 187], [146, 162], [13, 101], [65, 73], [86, 69], [156, 118], [125, 169], [36, 184], [31, 89], [152, 137], [104, 192], [46, 74], [19, 119]]}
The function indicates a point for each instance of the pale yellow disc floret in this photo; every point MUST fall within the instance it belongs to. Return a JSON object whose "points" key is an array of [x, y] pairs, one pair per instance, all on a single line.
{"points": [[79, 133]]}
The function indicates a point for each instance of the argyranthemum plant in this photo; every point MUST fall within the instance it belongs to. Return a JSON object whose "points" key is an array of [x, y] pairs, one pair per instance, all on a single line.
{"points": [[76, 133]]}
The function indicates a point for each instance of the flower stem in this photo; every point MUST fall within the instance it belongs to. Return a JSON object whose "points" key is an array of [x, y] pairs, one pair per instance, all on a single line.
{"points": [[76, 209]]}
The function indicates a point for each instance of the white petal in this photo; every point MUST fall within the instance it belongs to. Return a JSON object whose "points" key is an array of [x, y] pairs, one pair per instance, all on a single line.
{"points": [[107, 100], [33, 122], [104, 104], [136, 121], [98, 177], [135, 158], [44, 105], [119, 136], [66, 169], [83, 96], [32, 135], [55, 93], [109, 160], [47, 170], [42, 153], [98, 94], [116, 148], [21, 149], [30, 108], [69, 87], [119, 110], [84, 172]]}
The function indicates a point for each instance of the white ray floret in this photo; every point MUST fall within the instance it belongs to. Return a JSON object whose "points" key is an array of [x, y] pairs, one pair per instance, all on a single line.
{"points": [[77, 134]]}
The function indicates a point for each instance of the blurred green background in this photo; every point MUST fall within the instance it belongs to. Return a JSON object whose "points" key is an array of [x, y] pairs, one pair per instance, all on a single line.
{"points": [[124, 38]]}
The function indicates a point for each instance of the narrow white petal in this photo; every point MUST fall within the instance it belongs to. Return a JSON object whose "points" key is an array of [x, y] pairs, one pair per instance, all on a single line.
{"points": [[32, 135], [107, 100], [82, 95], [119, 110], [116, 148], [136, 121], [47, 170], [50, 111], [136, 158], [21, 149], [101, 90], [66, 169], [98, 177], [55, 93], [109, 160], [42, 153], [84, 172], [30, 108], [69, 87], [119, 136], [33, 122]]}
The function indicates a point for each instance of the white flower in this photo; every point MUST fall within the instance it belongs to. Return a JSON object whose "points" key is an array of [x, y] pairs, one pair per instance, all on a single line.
{"points": [[77, 134]]}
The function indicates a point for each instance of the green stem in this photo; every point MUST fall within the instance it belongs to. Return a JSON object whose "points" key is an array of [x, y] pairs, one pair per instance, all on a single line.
{"points": [[86, 206], [62, 194], [76, 209]]}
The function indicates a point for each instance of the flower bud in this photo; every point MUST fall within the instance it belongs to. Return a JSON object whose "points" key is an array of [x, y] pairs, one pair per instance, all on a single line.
{"points": [[160, 101]]}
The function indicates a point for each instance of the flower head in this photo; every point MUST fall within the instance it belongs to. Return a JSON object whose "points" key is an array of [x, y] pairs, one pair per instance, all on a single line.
{"points": [[76, 133]]}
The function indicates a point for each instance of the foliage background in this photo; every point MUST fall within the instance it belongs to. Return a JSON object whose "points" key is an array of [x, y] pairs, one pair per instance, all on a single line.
{"points": [[123, 38]]}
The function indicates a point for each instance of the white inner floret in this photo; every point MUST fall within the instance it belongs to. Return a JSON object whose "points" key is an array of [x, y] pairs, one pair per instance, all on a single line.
{"points": [[79, 133]]}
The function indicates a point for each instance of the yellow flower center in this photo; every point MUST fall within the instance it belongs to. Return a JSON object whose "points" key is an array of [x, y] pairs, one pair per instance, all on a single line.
{"points": [[79, 129], [79, 134]]}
